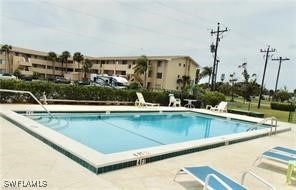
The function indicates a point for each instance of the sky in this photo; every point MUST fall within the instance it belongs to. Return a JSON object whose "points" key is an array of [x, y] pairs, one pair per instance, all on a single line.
{"points": [[161, 27]]}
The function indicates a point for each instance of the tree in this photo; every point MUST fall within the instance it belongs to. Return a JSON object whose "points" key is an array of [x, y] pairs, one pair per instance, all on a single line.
{"points": [[6, 50], [142, 67], [52, 56], [206, 71], [86, 65], [64, 59], [282, 95], [17, 73], [248, 87], [197, 75], [232, 80], [185, 81], [78, 57]]}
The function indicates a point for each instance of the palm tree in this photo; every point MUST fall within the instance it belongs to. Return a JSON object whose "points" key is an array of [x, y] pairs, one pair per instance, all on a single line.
{"points": [[142, 67], [52, 56], [206, 71], [86, 65], [64, 59], [185, 81], [78, 57], [6, 50]]}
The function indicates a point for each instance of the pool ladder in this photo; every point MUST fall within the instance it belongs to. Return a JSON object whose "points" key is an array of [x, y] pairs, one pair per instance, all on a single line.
{"points": [[273, 124], [32, 95]]}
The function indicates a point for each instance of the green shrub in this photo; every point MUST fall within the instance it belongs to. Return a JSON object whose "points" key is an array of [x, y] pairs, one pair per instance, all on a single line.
{"points": [[282, 106], [77, 92], [212, 98]]}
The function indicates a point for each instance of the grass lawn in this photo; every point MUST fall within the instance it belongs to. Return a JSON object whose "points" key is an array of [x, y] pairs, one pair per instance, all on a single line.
{"points": [[264, 108]]}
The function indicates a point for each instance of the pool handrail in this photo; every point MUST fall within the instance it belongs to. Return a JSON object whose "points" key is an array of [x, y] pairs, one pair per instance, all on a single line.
{"points": [[273, 124], [32, 95]]}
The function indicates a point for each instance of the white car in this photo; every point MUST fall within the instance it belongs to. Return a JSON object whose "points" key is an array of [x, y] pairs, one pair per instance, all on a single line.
{"points": [[7, 76]]}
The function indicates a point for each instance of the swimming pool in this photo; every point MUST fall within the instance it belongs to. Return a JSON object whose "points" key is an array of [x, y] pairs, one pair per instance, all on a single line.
{"points": [[104, 139], [117, 132]]}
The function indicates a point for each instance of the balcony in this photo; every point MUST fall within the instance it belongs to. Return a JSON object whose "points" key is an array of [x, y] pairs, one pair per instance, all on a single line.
{"points": [[27, 73]]}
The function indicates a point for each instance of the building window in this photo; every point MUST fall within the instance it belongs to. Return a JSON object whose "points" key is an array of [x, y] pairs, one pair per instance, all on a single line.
{"points": [[177, 87], [184, 65], [1, 61], [178, 76], [158, 63], [124, 62], [134, 62], [129, 66], [159, 75], [102, 62], [180, 64], [120, 72], [149, 73]]}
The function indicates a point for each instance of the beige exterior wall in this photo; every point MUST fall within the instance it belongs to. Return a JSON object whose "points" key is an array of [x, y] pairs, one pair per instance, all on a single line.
{"points": [[163, 73]]}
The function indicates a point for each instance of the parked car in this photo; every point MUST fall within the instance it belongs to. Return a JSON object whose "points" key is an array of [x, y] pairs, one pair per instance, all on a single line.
{"points": [[61, 80], [7, 76]]}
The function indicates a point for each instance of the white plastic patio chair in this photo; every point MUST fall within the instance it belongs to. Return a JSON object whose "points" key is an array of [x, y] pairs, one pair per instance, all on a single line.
{"points": [[221, 107], [174, 101]]}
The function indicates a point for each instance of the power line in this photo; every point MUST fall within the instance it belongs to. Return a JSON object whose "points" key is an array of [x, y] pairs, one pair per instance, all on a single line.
{"points": [[184, 12], [117, 22], [153, 13], [203, 19], [67, 31]]}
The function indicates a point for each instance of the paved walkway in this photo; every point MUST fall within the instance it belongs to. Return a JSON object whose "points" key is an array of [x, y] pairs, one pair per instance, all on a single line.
{"points": [[24, 157]]}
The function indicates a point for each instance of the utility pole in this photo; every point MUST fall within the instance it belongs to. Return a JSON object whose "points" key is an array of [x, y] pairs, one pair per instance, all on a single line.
{"points": [[266, 60], [278, 74], [218, 33], [216, 71]]}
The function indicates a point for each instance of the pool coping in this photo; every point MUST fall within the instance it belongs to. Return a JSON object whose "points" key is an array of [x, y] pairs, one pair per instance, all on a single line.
{"points": [[101, 163]]}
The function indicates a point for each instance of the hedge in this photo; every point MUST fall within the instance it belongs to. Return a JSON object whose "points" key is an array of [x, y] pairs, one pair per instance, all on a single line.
{"points": [[77, 92], [282, 106]]}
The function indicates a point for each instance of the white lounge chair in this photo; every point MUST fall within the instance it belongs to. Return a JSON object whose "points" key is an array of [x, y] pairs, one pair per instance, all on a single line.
{"points": [[214, 180], [141, 101], [221, 107], [174, 101]]}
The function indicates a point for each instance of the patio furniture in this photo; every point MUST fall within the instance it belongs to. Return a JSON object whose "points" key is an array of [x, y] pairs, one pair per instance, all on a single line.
{"points": [[189, 104], [214, 180], [141, 101], [221, 107], [278, 153], [291, 170], [174, 101]]}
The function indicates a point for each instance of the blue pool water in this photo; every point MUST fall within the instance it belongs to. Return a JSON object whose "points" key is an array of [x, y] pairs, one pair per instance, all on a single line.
{"points": [[116, 132]]}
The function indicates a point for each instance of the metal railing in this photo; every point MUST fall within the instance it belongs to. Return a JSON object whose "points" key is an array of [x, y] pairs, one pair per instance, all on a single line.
{"points": [[273, 124], [257, 177], [32, 95]]}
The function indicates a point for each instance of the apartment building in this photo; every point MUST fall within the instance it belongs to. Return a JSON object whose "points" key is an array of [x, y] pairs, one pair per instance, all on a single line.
{"points": [[165, 72]]}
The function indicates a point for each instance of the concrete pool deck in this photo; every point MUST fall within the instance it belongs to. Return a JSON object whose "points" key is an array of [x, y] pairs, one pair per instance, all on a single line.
{"points": [[24, 157]]}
